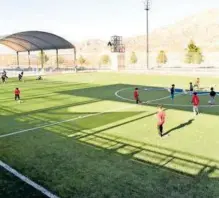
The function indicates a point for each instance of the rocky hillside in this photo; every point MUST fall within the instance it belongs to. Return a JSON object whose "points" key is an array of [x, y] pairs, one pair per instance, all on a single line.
{"points": [[203, 28]]}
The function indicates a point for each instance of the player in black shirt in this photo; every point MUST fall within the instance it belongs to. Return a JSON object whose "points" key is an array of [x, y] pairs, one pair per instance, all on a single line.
{"points": [[212, 96], [172, 92], [20, 76], [191, 89], [3, 78]]}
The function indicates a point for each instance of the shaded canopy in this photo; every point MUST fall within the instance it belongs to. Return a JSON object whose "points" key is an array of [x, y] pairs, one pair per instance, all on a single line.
{"points": [[35, 41]]}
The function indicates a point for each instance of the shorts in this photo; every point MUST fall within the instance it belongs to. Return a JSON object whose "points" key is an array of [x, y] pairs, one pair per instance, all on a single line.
{"points": [[137, 100], [212, 99], [17, 97], [172, 96]]}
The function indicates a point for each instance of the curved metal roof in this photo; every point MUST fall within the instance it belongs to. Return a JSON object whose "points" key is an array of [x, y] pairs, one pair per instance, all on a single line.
{"points": [[34, 41]]}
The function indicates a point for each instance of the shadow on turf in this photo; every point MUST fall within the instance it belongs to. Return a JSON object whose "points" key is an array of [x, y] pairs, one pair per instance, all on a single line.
{"points": [[202, 183], [165, 155], [182, 125], [48, 110], [81, 169], [113, 126], [143, 169], [107, 92], [51, 90], [197, 180]]}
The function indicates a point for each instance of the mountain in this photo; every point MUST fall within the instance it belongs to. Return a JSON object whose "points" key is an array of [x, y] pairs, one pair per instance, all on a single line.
{"points": [[203, 28]]}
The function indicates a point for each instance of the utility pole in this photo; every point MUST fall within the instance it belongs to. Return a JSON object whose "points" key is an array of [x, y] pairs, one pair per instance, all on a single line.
{"points": [[147, 8]]}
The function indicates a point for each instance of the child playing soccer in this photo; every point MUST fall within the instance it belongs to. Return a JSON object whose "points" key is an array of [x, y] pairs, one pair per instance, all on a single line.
{"points": [[212, 96], [17, 94], [195, 102], [197, 83], [20, 76], [39, 78], [136, 96], [161, 120], [3, 78], [172, 92], [191, 88]]}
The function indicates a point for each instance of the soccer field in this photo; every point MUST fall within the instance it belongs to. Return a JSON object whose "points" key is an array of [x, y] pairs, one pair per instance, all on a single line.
{"points": [[82, 135]]}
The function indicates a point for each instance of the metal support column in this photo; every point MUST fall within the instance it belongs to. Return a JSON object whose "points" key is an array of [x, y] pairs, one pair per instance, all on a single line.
{"points": [[75, 56], [29, 58], [18, 59], [42, 59], [57, 58], [147, 8], [147, 42]]}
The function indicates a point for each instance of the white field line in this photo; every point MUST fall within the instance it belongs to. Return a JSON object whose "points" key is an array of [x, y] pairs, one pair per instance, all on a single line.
{"points": [[131, 100], [152, 101], [27, 180], [64, 121], [33, 97]]}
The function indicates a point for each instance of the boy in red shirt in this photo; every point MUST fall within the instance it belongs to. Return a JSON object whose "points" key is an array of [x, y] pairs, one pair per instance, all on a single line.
{"points": [[17, 94], [195, 102], [136, 96], [161, 120]]}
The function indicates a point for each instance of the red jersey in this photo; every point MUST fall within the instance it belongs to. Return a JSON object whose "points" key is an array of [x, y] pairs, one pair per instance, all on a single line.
{"points": [[17, 92], [161, 117], [136, 94], [195, 100]]}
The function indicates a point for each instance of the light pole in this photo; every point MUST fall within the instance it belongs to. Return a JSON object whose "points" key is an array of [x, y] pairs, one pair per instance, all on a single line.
{"points": [[147, 8]]}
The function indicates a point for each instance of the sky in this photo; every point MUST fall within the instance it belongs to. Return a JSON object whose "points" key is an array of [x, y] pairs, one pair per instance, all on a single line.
{"points": [[78, 20]]}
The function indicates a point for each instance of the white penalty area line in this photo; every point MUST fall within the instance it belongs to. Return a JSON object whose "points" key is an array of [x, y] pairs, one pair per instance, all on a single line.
{"points": [[64, 121], [27, 180]]}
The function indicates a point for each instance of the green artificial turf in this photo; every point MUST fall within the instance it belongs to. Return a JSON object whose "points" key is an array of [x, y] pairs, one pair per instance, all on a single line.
{"points": [[88, 142]]}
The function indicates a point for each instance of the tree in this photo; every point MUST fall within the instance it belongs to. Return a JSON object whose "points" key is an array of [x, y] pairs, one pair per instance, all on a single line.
{"points": [[104, 59], [162, 57], [133, 58], [81, 60], [43, 57], [194, 54], [61, 60]]}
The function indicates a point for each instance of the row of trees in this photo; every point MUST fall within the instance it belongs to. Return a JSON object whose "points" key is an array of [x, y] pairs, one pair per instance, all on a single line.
{"points": [[193, 56], [45, 58], [105, 59]]}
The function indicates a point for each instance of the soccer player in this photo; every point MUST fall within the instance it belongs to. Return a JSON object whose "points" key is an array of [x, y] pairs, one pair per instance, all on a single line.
{"points": [[212, 96], [191, 89], [161, 120], [136, 96], [3, 78], [17, 94], [197, 83], [20, 76], [39, 78], [172, 92], [195, 102]]}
